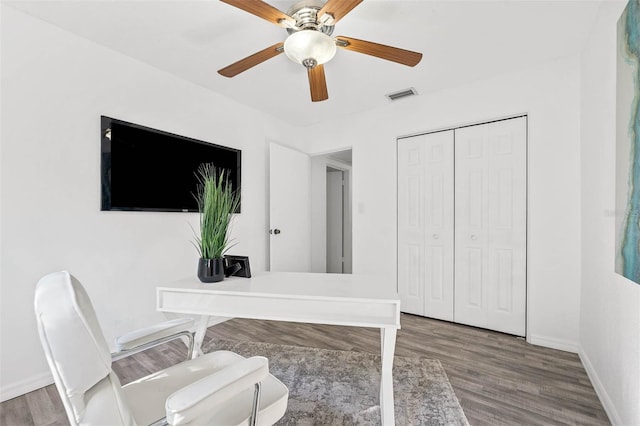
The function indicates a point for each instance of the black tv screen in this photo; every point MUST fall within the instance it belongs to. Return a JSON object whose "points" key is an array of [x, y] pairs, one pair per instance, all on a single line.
{"points": [[151, 170]]}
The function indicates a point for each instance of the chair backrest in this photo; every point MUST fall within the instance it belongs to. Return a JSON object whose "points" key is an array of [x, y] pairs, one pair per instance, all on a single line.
{"points": [[77, 352]]}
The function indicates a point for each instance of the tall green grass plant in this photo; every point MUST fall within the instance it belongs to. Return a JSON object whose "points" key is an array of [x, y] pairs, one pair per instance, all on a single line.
{"points": [[216, 202]]}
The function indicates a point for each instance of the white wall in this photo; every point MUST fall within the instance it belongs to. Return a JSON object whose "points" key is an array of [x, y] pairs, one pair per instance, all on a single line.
{"points": [[55, 86], [610, 320], [549, 93]]}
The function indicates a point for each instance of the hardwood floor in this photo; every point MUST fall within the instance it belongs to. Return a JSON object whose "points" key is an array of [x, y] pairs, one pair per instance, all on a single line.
{"points": [[499, 379]]}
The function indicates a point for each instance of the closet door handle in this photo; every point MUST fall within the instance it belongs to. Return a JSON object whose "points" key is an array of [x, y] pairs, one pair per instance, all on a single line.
{"points": [[436, 236], [474, 237]]}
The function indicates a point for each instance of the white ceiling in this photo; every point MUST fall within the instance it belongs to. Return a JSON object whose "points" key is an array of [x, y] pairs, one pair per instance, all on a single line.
{"points": [[461, 41]]}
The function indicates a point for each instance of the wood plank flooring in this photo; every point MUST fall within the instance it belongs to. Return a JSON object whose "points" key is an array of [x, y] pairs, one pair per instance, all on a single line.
{"points": [[499, 379]]}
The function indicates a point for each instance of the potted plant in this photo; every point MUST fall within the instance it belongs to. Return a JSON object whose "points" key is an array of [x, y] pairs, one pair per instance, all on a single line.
{"points": [[216, 203]]}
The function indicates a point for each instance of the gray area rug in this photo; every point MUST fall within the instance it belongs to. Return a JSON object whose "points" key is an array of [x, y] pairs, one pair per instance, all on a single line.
{"points": [[329, 387]]}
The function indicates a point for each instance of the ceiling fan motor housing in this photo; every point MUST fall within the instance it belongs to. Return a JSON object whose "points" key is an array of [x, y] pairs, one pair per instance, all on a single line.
{"points": [[305, 14]]}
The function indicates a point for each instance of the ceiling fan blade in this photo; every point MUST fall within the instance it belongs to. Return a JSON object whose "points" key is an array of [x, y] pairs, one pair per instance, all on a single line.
{"points": [[338, 8], [251, 61], [262, 10], [318, 83], [395, 54]]}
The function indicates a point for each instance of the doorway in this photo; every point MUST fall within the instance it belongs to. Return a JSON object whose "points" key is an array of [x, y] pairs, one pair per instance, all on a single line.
{"points": [[331, 240]]}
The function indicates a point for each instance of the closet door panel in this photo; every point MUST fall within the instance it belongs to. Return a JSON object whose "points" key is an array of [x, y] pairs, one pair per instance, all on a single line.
{"points": [[425, 224], [508, 226], [471, 205], [490, 271], [411, 226], [439, 226]]}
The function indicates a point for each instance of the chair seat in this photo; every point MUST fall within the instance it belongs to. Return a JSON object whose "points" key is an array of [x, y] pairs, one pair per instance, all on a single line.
{"points": [[147, 396]]}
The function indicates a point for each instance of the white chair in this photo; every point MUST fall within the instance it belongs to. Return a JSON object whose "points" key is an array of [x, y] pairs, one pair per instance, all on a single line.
{"points": [[221, 388]]}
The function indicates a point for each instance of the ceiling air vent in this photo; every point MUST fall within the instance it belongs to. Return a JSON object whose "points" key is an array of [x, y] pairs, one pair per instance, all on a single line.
{"points": [[401, 94]]}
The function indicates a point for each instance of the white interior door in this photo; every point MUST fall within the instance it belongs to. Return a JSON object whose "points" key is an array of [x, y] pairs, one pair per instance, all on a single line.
{"points": [[490, 221], [425, 224], [289, 209], [335, 218]]}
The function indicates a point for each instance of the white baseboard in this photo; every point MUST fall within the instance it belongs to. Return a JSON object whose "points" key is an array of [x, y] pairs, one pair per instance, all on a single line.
{"points": [[608, 405], [553, 343], [25, 386]]}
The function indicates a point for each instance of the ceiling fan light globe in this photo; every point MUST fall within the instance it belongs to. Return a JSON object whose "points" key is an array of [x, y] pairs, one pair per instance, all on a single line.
{"points": [[309, 44]]}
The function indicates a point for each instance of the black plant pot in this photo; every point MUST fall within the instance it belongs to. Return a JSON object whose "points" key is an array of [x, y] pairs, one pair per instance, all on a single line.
{"points": [[210, 270]]}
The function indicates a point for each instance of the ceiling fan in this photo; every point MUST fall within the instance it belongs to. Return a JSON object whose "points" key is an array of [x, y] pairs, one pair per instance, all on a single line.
{"points": [[310, 24]]}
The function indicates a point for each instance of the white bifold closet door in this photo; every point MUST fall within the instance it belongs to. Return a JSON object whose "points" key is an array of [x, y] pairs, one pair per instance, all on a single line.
{"points": [[425, 225], [491, 226], [462, 225]]}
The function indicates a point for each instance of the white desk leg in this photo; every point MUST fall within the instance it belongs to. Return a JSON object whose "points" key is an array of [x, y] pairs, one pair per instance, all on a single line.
{"points": [[201, 330], [387, 348]]}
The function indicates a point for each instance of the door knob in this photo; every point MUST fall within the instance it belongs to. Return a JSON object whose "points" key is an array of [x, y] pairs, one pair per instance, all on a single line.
{"points": [[274, 231], [436, 236], [474, 237]]}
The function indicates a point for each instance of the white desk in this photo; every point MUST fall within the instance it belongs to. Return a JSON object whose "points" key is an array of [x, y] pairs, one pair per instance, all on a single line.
{"points": [[351, 300]]}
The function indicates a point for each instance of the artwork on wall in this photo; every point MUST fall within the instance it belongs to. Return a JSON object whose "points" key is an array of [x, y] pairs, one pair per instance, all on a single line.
{"points": [[628, 144]]}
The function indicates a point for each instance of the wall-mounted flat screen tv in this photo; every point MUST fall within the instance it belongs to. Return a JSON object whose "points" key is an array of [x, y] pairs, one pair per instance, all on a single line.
{"points": [[150, 170]]}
